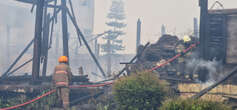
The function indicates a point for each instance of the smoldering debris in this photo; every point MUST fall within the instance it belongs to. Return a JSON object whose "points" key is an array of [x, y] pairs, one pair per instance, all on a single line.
{"points": [[213, 67]]}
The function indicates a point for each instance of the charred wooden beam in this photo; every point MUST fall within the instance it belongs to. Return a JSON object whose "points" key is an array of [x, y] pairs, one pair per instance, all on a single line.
{"points": [[19, 67], [5, 74], [37, 40]]}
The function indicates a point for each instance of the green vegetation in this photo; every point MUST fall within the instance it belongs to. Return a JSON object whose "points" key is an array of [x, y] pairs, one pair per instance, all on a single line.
{"points": [[142, 91], [42, 104], [190, 104]]}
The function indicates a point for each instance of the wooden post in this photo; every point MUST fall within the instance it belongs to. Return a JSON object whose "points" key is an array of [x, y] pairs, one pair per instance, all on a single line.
{"points": [[37, 40], [65, 28]]}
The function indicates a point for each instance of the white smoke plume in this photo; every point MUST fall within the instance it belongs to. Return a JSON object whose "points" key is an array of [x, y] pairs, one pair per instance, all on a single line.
{"points": [[214, 68]]}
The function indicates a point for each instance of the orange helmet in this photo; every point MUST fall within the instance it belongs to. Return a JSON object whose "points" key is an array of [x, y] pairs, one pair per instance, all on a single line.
{"points": [[63, 59]]}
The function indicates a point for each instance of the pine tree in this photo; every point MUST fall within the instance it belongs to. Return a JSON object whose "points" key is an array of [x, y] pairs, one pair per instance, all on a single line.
{"points": [[113, 44]]}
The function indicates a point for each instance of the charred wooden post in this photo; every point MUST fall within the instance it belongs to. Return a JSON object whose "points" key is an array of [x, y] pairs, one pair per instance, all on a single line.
{"points": [[203, 35], [138, 34], [64, 28], [37, 40], [203, 27], [195, 27], [45, 43]]}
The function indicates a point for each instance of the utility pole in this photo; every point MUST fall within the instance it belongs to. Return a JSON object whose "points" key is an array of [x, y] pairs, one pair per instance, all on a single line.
{"points": [[64, 28], [37, 40], [138, 34]]}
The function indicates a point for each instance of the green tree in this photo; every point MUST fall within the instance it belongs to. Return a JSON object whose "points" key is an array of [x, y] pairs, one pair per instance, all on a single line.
{"points": [[116, 23], [143, 91], [190, 104]]}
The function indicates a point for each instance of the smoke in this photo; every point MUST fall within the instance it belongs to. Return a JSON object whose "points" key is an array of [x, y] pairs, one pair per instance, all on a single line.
{"points": [[213, 68]]}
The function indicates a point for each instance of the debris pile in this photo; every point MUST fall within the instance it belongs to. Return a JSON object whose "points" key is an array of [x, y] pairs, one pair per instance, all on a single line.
{"points": [[158, 53], [164, 48]]}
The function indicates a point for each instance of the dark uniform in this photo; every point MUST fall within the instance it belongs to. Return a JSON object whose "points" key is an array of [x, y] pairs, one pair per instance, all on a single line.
{"points": [[61, 79]]}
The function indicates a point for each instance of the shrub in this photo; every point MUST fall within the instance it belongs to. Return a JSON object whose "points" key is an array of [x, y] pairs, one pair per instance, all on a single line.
{"points": [[140, 91], [190, 104]]}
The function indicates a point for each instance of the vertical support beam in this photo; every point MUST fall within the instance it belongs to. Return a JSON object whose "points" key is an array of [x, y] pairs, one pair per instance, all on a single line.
{"points": [[138, 34], [195, 27], [203, 36], [37, 40], [65, 28], [203, 27], [45, 43]]}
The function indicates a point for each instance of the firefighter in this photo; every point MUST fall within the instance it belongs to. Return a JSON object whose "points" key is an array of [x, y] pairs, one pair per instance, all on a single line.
{"points": [[187, 41], [61, 79]]}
